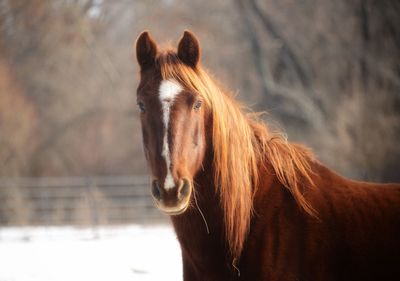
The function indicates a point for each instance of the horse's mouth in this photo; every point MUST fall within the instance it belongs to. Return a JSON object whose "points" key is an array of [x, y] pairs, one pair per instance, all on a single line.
{"points": [[173, 211], [176, 213]]}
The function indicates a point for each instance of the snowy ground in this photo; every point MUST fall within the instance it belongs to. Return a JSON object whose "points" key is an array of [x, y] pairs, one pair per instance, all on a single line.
{"points": [[106, 253]]}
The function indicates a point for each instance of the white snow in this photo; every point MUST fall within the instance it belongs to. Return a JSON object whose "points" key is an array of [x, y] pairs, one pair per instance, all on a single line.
{"points": [[120, 253]]}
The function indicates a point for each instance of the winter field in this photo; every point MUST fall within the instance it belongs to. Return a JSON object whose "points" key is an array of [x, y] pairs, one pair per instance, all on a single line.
{"points": [[104, 253]]}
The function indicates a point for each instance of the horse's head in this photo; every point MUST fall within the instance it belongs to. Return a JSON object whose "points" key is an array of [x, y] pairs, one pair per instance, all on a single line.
{"points": [[173, 125]]}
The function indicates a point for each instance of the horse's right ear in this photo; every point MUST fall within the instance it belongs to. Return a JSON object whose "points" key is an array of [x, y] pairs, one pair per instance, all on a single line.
{"points": [[146, 50]]}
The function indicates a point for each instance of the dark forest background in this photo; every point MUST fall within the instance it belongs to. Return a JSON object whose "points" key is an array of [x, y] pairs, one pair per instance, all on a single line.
{"points": [[327, 72]]}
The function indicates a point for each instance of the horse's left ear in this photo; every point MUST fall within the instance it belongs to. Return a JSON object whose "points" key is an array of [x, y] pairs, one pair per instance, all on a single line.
{"points": [[189, 49]]}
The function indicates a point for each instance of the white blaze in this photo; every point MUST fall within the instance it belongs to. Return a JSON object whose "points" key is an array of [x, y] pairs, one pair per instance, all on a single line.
{"points": [[168, 91]]}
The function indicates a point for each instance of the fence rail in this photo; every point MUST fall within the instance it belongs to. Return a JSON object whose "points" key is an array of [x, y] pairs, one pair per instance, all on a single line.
{"points": [[77, 201]]}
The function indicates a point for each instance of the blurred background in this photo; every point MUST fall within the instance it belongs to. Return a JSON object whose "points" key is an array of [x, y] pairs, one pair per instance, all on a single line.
{"points": [[327, 73]]}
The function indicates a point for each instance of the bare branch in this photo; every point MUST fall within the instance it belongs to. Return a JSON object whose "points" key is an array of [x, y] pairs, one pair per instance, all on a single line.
{"points": [[250, 32], [288, 54]]}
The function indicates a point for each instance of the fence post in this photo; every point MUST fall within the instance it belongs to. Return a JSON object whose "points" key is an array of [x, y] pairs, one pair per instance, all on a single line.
{"points": [[93, 208]]}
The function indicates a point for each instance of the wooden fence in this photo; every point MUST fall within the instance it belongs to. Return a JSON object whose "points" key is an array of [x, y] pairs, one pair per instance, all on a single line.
{"points": [[77, 201]]}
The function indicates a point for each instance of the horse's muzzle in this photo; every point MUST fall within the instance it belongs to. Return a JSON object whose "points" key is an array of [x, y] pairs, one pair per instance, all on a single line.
{"points": [[172, 201]]}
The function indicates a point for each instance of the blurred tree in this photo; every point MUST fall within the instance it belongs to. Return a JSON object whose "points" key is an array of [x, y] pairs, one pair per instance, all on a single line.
{"points": [[327, 71], [17, 134], [331, 69]]}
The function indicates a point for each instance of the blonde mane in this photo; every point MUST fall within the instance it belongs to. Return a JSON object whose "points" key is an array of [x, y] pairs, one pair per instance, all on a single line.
{"points": [[241, 145]]}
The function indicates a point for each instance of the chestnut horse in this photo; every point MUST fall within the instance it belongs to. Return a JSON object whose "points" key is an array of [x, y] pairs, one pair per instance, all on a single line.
{"points": [[245, 203]]}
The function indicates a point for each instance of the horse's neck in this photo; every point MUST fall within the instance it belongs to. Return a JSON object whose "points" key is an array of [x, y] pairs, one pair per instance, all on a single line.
{"points": [[200, 230]]}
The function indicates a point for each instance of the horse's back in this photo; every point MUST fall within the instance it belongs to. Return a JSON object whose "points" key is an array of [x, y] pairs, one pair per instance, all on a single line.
{"points": [[362, 222], [355, 237]]}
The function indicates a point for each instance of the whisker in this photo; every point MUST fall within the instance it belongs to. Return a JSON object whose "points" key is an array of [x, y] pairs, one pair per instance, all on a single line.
{"points": [[201, 213], [235, 267]]}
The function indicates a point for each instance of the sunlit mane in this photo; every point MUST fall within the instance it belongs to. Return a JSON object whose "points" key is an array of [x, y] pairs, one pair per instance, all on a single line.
{"points": [[240, 143]]}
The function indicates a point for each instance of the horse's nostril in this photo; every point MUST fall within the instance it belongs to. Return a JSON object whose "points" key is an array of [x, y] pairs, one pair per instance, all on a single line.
{"points": [[155, 190], [184, 188]]}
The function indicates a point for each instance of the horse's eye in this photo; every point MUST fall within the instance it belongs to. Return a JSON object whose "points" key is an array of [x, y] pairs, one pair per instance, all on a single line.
{"points": [[197, 105], [141, 107]]}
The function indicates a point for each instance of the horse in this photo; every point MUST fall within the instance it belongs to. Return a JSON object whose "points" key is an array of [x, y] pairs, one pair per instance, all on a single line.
{"points": [[245, 203]]}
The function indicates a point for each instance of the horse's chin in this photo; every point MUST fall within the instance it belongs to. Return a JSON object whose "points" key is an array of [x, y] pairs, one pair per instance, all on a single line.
{"points": [[178, 212], [174, 211]]}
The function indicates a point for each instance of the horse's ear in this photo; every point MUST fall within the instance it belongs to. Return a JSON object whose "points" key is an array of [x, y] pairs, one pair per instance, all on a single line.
{"points": [[146, 50], [189, 49]]}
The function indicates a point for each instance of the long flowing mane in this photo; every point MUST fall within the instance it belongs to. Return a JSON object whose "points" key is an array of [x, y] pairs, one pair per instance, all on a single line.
{"points": [[241, 145]]}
